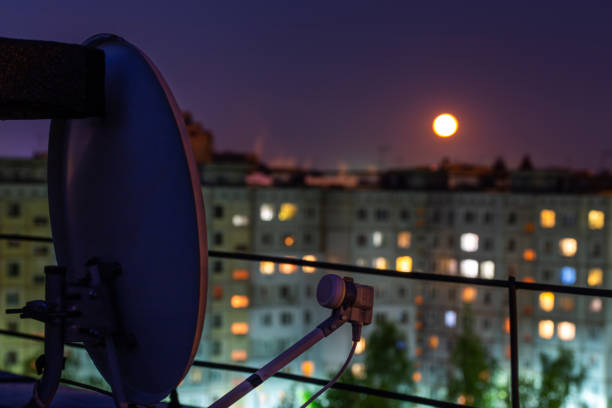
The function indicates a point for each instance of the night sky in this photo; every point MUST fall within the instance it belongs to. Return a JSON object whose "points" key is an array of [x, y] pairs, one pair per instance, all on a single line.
{"points": [[358, 83]]}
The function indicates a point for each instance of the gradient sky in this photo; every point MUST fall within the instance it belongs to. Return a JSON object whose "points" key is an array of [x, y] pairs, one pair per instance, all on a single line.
{"points": [[358, 83]]}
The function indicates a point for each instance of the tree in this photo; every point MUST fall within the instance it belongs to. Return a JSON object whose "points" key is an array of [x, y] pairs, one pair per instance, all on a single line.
{"points": [[387, 367], [472, 368], [559, 378]]}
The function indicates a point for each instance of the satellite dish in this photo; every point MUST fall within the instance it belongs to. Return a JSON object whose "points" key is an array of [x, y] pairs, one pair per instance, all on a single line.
{"points": [[125, 188]]}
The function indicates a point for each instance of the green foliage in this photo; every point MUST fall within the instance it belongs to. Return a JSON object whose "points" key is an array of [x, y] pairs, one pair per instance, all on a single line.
{"points": [[387, 367], [559, 377], [472, 368]]}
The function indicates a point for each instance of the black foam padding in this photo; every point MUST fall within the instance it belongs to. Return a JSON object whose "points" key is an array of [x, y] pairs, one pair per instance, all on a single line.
{"points": [[42, 79]]}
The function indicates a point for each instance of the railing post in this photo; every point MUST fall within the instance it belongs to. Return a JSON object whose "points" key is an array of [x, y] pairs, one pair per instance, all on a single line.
{"points": [[514, 380]]}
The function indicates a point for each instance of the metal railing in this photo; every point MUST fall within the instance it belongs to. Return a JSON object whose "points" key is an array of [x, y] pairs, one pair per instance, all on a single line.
{"points": [[511, 284]]}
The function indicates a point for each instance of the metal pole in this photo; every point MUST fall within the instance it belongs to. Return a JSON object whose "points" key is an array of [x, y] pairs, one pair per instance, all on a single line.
{"points": [[513, 342]]}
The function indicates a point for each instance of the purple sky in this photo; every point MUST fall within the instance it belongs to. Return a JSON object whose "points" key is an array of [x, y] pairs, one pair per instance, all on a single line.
{"points": [[329, 83]]}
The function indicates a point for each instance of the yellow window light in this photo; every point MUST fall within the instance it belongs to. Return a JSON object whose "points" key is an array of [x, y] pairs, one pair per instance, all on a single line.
{"points": [[568, 247], [239, 301], [529, 255], [595, 277], [546, 329], [240, 328], [309, 269], [404, 264], [240, 274], [239, 355], [434, 342], [547, 301], [403, 239], [288, 240], [566, 331], [287, 211], [380, 263], [307, 367], [417, 376], [266, 268], [547, 218], [358, 370], [597, 219], [468, 295], [361, 346], [287, 269]]}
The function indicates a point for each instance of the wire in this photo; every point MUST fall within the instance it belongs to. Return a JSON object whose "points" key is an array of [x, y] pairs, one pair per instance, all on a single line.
{"points": [[333, 380]]}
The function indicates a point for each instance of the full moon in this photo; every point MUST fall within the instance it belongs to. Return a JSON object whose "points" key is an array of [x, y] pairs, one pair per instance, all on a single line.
{"points": [[445, 125]]}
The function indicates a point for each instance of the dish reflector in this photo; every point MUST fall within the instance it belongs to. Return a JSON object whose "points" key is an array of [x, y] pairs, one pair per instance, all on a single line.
{"points": [[125, 187]]}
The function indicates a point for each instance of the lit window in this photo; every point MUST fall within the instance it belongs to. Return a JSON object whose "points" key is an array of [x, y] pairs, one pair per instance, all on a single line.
{"points": [[568, 275], [487, 269], [404, 264], [547, 301], [468, 295], [566, 331], [266, 212], [377, 239], [418, 300], [434, 342], [469, 242], [266, 268], [469, 268], [239, 301], [361, 262], [287, 269], [288, 240], [417, 377], [547, 218], [595, 277], [217, 292], [361, 346], [309, 269], [287, 211], [307, 368], [239, 220], [380, 263], [546, 329], [240, 328], [596, 219], [529, 227], [568, 246], [596, 305], [195, 376], [403, 239], [449, 266], [240, 274], [358, 370], [450, 318], [239, 355], [507, 325], [529, 255]]}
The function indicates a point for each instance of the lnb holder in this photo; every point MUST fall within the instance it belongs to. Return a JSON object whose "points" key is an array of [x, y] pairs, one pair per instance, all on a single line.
{"points": [[350, 303]]}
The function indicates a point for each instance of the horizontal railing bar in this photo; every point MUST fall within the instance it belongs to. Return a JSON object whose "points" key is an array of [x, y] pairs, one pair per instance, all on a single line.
{"points": [[292, 377], [26, 378], [575, 290]]}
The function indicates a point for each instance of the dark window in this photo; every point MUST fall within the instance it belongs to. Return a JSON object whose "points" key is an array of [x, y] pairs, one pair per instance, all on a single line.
{"points": [[217, 321], [452, 294], [362, 214], [14, 210], [485, 323], [380, 317], [14, 244], [218, 266], [41, 221], [12, 299], [12, 326], [405, 215], [286, 318], [284, 292], [401, 292], [596, 250], [382, 214], [487, 298], [512, 218], [469, 217], [13, 270], [568, 220], [266, 319], [39, 279], [361, 240], [310, 212], [218, 238], [215, 348], [308, 291], [307, 317], [548, 247], [436, 216], [266, 239], [488, 244], [307, 238], [41, 250], [488, 217], [218, 211], [10, 358], [450, 218], [450, 241], [547, 275], [511, 245], [405, 317]]}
